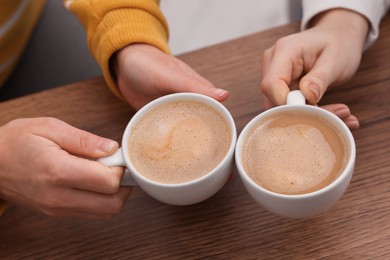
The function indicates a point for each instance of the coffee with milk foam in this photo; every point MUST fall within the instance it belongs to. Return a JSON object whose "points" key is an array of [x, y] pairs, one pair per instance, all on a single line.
{"points": [[178, 142], [294, 153]]}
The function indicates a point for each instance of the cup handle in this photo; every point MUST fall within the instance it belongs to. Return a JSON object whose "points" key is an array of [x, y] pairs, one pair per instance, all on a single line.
{"points": [[117, 159], [296, 97]]}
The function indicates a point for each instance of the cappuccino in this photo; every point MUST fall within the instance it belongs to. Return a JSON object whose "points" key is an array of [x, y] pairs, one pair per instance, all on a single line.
{"points": [[294, 152], [178, 142]]}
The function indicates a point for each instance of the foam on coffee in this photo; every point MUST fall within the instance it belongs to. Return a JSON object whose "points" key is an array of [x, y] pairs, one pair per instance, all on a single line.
{"points": [[179, 142], [294, 153]]}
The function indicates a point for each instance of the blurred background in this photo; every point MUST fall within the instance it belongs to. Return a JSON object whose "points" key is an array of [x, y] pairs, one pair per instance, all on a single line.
{"points": [[57, 53], [197, 23]]}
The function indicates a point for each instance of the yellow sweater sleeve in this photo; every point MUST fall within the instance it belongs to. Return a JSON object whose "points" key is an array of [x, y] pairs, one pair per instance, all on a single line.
{"points": [[113, 24]]}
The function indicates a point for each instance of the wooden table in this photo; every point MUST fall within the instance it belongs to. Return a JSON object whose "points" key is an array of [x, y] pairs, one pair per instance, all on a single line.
{"points": [[230, 225]]}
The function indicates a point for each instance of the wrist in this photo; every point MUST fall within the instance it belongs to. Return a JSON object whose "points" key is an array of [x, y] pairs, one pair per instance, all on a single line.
{"points": [[118, 59], [116, 62], [344, 23]]}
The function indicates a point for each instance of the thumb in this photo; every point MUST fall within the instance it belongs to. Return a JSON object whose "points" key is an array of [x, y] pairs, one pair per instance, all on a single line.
{"points": [[314, 84], [77, 141]]}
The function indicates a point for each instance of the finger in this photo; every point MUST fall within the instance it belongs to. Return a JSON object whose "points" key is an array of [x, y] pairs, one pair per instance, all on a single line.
{"points": [[266, 102], [80, 173], [285, 67], [287, 61], [340, 110], [72, 201], [76, 141], [352, 122], [275, 90], [266, 59], [324, 72], [344, 113]]}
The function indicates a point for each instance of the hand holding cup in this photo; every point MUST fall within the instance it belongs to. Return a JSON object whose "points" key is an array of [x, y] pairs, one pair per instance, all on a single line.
{"points": [[296, 160]]}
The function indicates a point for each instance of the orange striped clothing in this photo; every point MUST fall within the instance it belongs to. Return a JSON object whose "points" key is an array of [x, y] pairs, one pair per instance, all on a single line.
{"points": [[110, 26], [17, 21]]}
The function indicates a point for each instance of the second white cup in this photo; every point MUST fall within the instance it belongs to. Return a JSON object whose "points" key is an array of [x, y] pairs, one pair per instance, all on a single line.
{"points": [[288, 167]]}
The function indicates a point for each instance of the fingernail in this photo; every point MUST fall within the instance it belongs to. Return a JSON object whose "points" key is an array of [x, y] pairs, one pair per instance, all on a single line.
{"points": [[353, 124], [219, 92], [106, 145], [316, 91], [343, 112]]}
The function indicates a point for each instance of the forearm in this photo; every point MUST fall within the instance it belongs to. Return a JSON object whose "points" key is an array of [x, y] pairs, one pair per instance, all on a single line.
{"points": [[112, 25]]}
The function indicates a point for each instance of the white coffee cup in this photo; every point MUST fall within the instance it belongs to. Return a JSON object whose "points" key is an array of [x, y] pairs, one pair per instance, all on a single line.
{"points": [[186, 193], [301, 205]]}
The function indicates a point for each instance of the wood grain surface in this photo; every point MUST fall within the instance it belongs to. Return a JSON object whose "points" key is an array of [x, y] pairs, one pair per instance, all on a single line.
{"points": [[230, 225]]}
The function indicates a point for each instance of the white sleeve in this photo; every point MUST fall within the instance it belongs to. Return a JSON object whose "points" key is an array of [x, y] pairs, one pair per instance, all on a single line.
{"points": [[373, 10]]}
